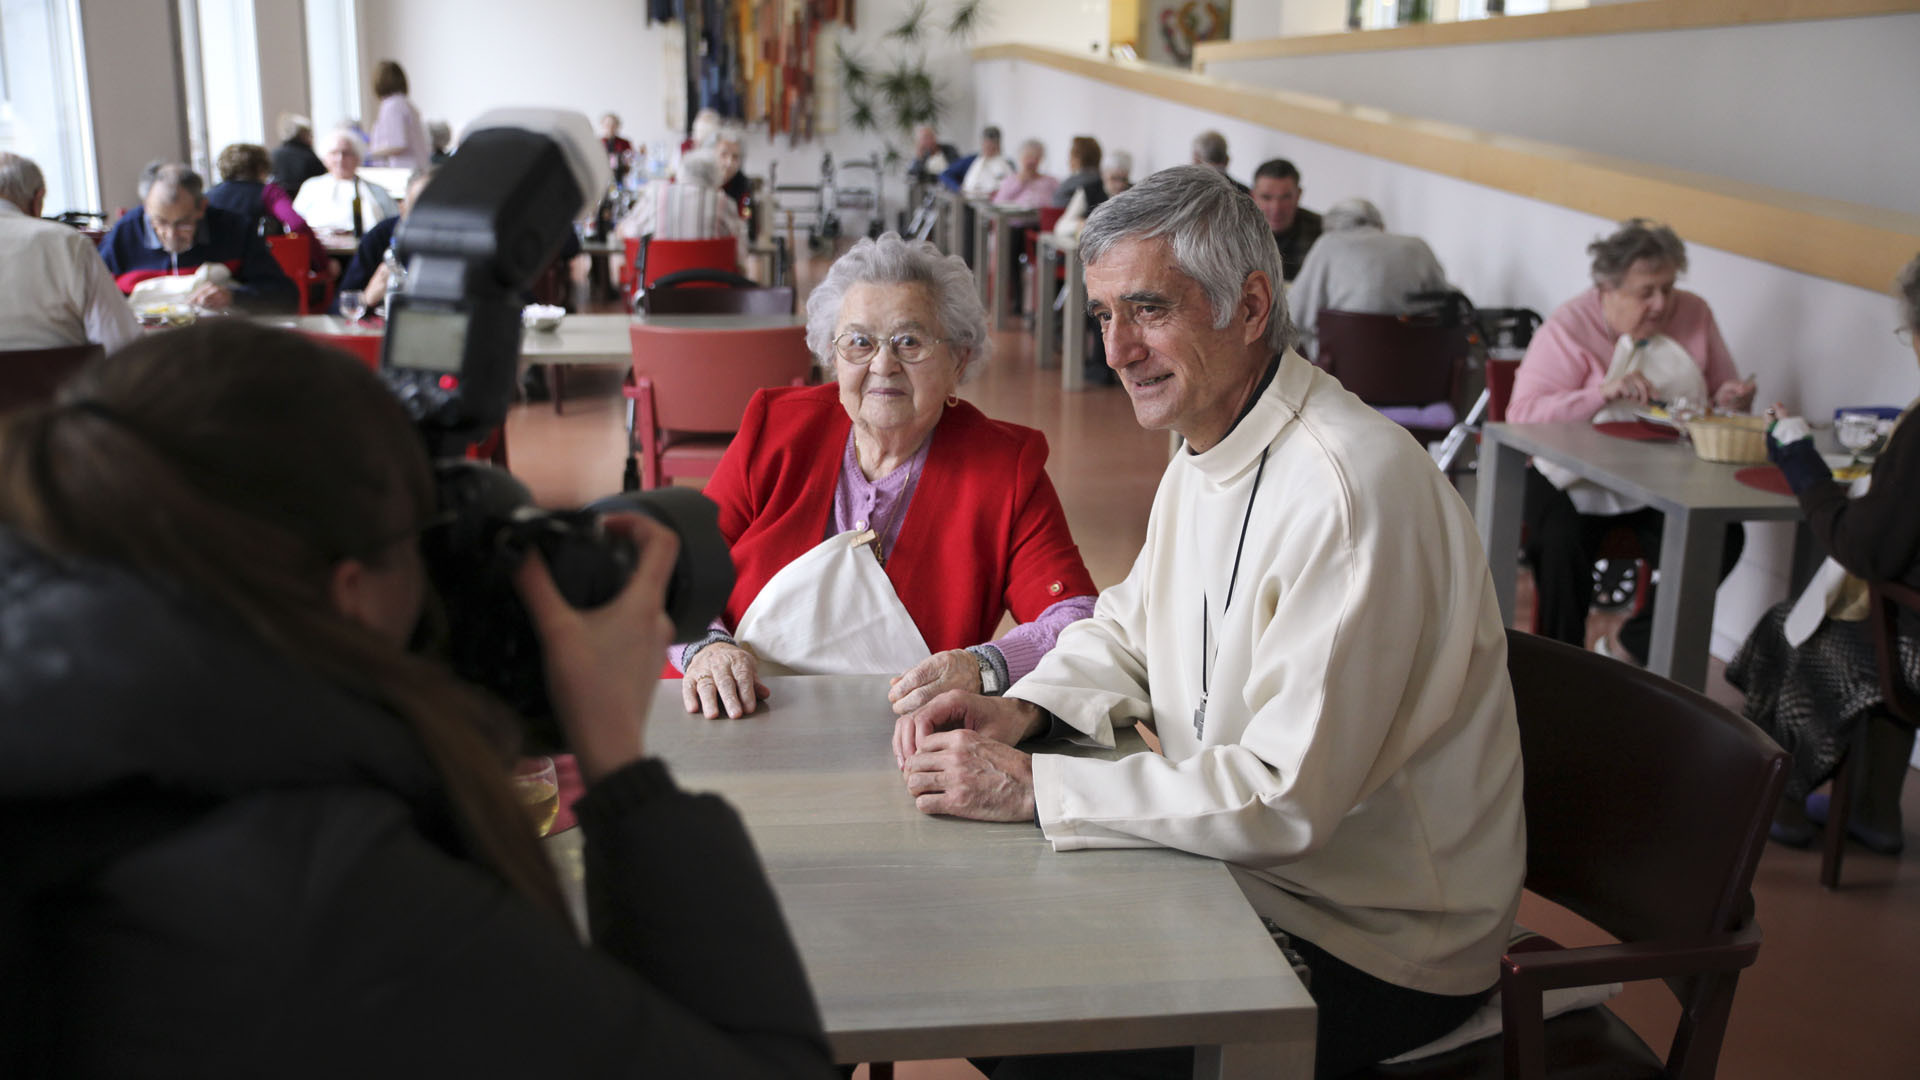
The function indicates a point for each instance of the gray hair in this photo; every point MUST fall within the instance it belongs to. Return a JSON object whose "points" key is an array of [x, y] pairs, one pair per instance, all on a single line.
{"points": [[890, 260], [1352, 214], [731, 133], [700, 167], [1634, 240], [1218, 237], [1033, 144], [1210, 147], [338, 135], [292, 124], [1907, 290], [171, 178], [1118, 161], [991, 131], [20, 179], [439, 133]]}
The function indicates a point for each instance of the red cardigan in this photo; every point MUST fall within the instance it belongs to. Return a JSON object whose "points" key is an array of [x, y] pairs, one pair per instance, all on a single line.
{"points": [[984, 532]]}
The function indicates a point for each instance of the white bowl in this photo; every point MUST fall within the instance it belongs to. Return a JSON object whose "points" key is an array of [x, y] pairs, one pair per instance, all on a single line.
{"points": [[542, 316]]}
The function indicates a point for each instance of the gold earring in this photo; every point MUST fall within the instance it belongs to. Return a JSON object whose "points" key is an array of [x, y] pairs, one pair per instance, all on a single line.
{"points": [[952, 400]]}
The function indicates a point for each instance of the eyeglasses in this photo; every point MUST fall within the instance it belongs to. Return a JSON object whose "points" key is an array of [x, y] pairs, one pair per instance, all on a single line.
{"points": [[1905, 334], [858, 348]]}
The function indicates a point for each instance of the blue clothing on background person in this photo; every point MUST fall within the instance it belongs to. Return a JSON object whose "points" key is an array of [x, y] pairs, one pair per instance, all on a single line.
{"points": [[367, 257], [956, 174], [223, 237]]}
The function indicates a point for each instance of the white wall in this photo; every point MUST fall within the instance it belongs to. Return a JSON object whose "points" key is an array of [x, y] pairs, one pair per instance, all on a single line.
{"points": [[1813, 343], [133, 75], [1823, 107]]}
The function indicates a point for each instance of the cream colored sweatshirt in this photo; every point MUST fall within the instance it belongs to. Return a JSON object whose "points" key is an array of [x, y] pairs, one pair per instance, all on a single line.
{"points": [[1359, 764]]}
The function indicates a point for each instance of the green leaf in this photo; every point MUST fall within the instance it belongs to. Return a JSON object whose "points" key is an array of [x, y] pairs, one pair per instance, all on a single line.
{"points": [[854, 71], [861, 117], [967, 19], [913, 26]]}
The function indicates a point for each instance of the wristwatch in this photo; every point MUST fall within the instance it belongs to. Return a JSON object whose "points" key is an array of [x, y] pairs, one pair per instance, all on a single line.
{"points": [[990, 683]]}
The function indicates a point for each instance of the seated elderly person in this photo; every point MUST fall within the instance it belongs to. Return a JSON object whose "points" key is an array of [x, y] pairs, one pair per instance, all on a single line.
{"points": [[327, 202], [1358, 266], [878, 523], [729, 153], [1028, 186], [173, 230], [54, 291], [245, 189], [1116, 172], [989, 168], [368, 271], [691, 206], [1628, 342], [1808, 669], [1083, 167], [1310, 630]]}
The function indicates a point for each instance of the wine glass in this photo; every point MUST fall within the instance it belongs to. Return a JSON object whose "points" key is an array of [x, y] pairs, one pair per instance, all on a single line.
{"points": [[353, 304], [537, 783], [1858, 432]]}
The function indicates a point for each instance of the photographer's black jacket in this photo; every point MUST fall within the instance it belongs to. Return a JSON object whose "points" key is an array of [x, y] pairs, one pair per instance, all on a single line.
{"points": [[212, 864]]}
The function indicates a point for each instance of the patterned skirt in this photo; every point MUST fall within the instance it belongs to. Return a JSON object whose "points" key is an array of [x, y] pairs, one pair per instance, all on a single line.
{"points": [[1812, 699]]}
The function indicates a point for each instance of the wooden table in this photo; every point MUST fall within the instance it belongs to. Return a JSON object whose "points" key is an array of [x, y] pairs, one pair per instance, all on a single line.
{"points": [[928, 937], [1073, 314], [1699, 498]]}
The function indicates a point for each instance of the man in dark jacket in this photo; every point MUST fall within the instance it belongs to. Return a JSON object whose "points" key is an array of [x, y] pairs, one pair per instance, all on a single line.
{"points": [[1276, 190], [294, 162], [174, 228], [220, 864]]}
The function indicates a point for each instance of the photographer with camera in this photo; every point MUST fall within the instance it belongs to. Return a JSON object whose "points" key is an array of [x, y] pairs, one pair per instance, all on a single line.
{"points": [[247, 832]]}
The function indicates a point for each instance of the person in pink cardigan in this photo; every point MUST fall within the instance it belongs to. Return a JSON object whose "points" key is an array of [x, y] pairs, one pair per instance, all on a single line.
{"points": [[1028, 187], [1632, 340]]}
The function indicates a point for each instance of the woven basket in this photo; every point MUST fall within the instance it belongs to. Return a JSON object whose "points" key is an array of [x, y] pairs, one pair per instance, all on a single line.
{"points": [[1734, 440]]}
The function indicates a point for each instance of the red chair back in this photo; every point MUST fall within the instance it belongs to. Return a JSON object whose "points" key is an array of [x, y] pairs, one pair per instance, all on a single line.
{"points": [[691, 385], [362, 347], [667, 256], [1392, 359], [1051, 215], [1500, 376], [30, 376]]}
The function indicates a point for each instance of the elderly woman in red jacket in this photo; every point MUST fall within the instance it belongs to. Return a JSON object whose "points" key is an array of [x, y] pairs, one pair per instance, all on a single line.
{"points": [[878, 523]]}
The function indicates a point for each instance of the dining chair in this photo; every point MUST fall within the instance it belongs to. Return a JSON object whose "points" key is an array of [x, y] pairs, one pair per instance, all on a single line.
{"points": [[679, 293], [294, 253], [664, 257], [690, 386], [1394, 360], [1901, 706], [31, 376], [1647, 808]]}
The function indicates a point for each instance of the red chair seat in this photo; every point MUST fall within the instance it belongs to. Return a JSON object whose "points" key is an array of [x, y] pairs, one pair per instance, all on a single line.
{"points": [[31, 376]]}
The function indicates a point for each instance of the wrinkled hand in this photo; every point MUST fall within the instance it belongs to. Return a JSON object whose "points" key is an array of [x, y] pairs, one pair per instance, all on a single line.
{"points": [[722, 676], [1631, 386], [1735, 395], [595, 671], [212, 297], [1004, 720], [955, 669], [967, 774]]}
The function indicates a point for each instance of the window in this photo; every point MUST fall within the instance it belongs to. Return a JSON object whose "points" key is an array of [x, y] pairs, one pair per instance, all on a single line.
{"points": [[333, 63], [44, 111], [220, 56]]}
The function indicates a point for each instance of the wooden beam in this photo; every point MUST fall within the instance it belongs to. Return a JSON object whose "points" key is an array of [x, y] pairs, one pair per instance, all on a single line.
{"points": [[1645, 15], [1846, 242]]}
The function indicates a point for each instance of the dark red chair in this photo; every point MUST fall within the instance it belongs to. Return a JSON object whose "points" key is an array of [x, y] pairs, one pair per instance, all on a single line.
{"points": [[691, 385], [1388, 360], [688, 292], [1902, 707], [665, 257], [1647, 808], [31, 376]]}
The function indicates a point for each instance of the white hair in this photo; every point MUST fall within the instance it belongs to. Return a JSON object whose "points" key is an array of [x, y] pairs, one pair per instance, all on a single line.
{"points": [[890, 260], [20, 179], [348, 136], [1118, 161], [1218, 237], [1352, 214], [700, 167]]}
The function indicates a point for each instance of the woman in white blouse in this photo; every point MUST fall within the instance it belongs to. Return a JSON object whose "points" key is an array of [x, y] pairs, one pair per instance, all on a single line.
{"points": [[326, 202]]}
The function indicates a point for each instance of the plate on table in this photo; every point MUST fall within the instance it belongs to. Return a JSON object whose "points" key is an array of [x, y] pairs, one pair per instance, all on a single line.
{"points": [[1654, 414]]}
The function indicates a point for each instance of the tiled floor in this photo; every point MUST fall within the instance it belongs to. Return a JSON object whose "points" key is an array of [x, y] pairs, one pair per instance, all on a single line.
{"points": [[1836, 991]]}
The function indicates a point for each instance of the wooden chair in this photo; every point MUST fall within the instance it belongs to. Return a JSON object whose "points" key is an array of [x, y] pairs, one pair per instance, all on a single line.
{"points": [[31, 376], [1390, 360], [1647, 808], [1902, 707], [677, 294], [690, 386]]}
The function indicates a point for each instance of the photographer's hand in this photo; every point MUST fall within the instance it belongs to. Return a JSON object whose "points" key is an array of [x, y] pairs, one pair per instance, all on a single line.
{"points": [[596, 675]]}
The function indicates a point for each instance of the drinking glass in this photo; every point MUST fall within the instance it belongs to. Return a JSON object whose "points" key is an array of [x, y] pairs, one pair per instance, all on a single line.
{"points": [[353, 304], [1858, 432], [538, 784]]}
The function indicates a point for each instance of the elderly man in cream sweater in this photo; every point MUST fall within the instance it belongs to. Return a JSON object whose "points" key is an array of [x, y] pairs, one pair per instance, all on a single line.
{"points": [[1310, 629]]}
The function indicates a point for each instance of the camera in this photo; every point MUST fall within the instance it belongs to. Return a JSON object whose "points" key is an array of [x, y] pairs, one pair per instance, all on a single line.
{"points": [[484, 227]]}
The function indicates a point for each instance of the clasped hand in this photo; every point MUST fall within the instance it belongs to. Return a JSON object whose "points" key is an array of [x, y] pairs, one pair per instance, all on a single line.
{"points": [[957, 753]]}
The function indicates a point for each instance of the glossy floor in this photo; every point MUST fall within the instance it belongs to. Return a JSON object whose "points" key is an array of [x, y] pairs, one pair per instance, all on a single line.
{"points": [[1836, 991]]}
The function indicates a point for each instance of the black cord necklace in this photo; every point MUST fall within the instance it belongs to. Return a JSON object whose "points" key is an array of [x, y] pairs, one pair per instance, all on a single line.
{"points": [[1206, 657]]}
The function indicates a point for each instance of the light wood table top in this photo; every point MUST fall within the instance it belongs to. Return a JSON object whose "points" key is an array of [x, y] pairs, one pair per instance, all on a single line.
{"points": [[930, 937], [579, 340]]}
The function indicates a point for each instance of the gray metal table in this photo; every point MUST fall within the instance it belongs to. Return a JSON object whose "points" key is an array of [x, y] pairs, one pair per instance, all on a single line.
{"points": [[998, 258], [931, 937], [1699, 498], [1072, 326]]}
